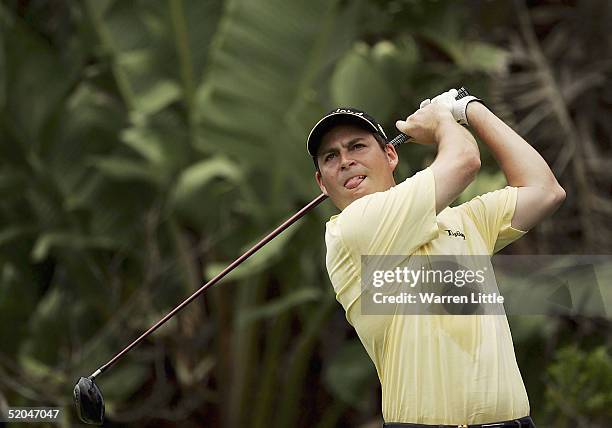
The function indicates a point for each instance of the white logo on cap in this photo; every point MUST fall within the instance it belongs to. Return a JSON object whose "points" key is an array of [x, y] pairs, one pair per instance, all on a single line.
{"points": [[341, 110]]}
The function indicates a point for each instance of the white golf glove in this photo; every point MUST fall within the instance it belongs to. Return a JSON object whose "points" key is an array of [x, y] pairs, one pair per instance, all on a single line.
{"points": [[455, 101]]}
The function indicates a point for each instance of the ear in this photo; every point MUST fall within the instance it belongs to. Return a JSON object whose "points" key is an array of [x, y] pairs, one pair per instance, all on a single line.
{"points": [[319, 179], [392, 156]]}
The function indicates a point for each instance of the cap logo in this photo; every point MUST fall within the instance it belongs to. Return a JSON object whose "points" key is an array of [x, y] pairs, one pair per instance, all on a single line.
{"points": [[341, 110]]}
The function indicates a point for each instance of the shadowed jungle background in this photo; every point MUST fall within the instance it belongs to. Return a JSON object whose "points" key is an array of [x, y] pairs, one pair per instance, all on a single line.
{"points": [[146, 144]]}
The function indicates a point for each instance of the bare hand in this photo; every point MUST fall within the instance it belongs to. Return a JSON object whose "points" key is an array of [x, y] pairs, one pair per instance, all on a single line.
{"points": [[423, 125]]}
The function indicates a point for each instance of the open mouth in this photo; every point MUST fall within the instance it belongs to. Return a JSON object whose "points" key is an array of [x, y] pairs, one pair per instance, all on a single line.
{"points": [[353, 182]]}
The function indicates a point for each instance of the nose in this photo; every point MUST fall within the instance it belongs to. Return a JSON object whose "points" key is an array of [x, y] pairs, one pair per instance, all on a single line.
{"points": [[346, 161]]}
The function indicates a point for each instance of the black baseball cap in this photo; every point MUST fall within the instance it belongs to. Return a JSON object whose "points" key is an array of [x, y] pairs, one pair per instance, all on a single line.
{"points": [[341, 115]]}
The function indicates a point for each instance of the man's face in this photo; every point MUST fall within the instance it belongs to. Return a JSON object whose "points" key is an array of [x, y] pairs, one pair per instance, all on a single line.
{"points": [[353, 165]]}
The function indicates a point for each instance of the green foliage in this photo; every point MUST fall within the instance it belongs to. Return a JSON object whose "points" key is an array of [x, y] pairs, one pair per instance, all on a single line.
{"points": [[277, 307], [17, 301], [122, 383], [259, 261], [349, 374], [382, 66], [195, 187], [579, 387], [145, 144]]}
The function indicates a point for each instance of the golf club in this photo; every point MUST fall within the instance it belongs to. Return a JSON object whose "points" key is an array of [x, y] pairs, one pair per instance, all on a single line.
{"points": [[88, 398]]}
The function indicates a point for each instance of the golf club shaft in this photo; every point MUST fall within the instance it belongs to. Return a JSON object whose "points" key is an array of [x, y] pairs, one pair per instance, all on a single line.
{"points": [[401, 138], [295, 217]]}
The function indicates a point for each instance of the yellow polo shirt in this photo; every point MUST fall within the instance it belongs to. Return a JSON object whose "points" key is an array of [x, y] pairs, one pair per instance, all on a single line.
{"points": [[433, 369]]}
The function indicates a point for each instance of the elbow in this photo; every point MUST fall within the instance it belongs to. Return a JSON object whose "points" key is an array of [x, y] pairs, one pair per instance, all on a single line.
{"points": [[471, 165], [471, 159], [552, 197], [558, 195], [475, 164]]}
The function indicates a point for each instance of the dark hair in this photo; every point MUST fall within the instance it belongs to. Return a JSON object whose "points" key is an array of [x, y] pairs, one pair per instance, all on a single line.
{"points": [[382, 143]]}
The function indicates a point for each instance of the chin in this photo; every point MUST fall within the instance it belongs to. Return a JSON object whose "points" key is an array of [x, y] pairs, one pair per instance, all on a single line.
{"points": [[356, 194]]}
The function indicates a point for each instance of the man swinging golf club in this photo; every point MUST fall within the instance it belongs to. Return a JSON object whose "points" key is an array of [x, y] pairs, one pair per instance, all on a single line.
{"points": [[458, 372], [343, 143]]}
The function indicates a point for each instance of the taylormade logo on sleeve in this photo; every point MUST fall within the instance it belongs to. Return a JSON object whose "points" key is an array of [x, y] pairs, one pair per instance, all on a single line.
{"points": [[456, 234]]}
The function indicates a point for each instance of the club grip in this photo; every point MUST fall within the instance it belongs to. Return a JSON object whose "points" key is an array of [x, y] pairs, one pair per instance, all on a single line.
{"points": [[402, 138]]}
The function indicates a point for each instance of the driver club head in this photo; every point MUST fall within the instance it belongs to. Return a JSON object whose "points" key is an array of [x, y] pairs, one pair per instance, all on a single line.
{"points": [[89, 401]]}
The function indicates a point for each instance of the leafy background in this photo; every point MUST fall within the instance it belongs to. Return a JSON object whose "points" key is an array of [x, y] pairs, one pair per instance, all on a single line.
{"points": [[145, 144]]}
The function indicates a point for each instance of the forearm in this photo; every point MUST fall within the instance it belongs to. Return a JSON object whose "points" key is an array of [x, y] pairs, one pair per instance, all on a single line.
{"points": [[455, 143], [522, 164], [456, 164]]}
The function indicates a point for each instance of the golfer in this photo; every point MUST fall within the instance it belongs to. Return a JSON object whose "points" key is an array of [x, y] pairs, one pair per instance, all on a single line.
{"points": [[434, 370]]}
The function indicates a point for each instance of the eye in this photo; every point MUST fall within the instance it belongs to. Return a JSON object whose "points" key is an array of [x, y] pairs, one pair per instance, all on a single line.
{"points": [[329, 156], [358, 146]]}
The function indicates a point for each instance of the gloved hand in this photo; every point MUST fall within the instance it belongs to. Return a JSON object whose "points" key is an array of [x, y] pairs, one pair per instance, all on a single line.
{"points": [[455, 101]]}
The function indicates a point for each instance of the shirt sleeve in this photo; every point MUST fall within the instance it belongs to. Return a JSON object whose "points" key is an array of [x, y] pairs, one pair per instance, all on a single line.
{"points": [[396, 221], [492, 213]]}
